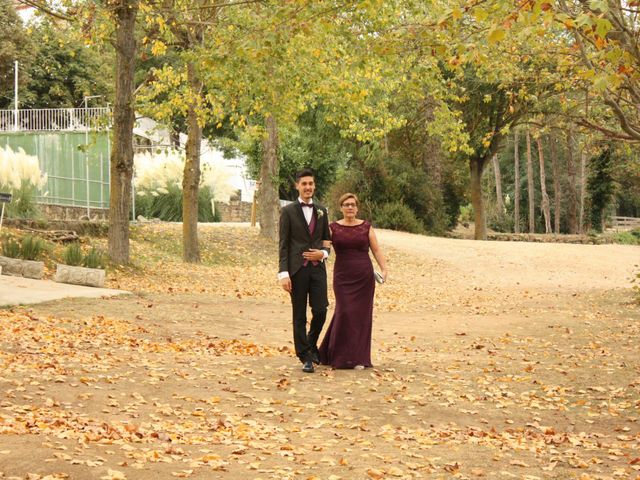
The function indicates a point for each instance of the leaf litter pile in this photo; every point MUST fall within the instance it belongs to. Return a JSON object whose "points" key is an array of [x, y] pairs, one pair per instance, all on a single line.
{"points": [[193, 376]]}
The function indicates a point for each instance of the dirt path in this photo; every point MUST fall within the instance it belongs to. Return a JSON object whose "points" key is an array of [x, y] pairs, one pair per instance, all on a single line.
{"points": [[502, 360]]}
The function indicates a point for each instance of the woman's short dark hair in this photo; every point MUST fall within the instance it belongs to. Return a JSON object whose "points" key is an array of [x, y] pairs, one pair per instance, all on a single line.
{"points": [[305, 172]]}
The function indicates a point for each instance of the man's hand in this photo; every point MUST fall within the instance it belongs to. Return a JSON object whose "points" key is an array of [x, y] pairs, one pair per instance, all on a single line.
{"points": [[286, 284], [313, 255]]}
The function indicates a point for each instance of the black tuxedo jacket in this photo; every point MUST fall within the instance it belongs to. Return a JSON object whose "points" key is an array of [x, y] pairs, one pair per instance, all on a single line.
{"points": [[295, 237]]}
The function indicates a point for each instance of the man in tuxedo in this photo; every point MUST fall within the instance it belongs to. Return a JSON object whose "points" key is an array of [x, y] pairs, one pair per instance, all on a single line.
{"points": [[304, 245]]}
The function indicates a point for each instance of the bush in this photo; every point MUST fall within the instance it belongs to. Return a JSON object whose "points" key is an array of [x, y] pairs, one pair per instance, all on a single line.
{"points": [[466, 214], [32, 248], [22, 203], [626, 238], [166, 204], [10, 248], [20, 175], [73, 255], [94, 259], [397, 216]]}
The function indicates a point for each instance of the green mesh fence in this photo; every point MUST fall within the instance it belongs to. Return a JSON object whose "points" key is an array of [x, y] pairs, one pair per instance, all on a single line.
{"points": [[76, 164]]}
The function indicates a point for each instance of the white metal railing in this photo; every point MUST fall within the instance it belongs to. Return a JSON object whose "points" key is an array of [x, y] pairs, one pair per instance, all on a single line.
{"points": [[52, 119]]}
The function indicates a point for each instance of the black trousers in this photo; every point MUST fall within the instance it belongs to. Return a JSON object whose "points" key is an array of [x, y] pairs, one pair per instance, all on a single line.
{"points": [[308, 283]]}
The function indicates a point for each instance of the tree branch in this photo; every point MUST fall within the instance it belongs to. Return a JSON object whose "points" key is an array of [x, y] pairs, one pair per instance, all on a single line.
{"points": [[43, 7]]}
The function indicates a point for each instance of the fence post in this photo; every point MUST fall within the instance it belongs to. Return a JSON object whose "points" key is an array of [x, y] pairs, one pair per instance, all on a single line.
{"points": [[73, 178], [101, 180], [88, 187]]}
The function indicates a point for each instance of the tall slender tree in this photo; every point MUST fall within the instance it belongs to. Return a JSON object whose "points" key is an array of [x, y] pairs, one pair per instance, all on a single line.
{"points": [[583, 189], [121, 166], [544, 204], [530, 185], [557, 193], [496, 171], [572, 194]]}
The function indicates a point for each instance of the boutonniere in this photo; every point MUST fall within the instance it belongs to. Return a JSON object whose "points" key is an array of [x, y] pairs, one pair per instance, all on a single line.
{"points": [[320, 213]]}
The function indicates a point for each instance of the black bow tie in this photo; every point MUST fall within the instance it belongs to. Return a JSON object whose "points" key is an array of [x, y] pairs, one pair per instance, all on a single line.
{"points": [[310, 205]]}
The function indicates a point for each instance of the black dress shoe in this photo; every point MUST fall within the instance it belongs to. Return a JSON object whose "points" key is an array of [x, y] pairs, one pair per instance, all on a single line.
{"points": [[308, 367], [315, 358]]}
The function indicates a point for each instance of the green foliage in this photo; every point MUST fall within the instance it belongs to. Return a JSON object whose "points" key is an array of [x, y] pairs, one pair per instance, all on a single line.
{"points": [[65, 68], [73, 255], [626, 171], [15, 44], [398, 216], [466, 214], [601, 187], [168, 206], [94, 258], [10, 247], [22, 203], [32, 247], [379, 179], [311, 143], [628, 238]]}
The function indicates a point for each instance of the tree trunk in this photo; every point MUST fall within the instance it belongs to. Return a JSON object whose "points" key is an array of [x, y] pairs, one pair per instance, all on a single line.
{"points": [[121, 162], [516, 194], [268, 199], [546, 209], [191, 176], [432, 148], [557, 193], [583, 189], [530, 186], [572, 195], [496, 171], [476, 166]]}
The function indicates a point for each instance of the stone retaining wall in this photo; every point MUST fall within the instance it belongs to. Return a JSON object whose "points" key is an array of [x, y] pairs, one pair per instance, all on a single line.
{"points": [[62, 212], [234, 211]]}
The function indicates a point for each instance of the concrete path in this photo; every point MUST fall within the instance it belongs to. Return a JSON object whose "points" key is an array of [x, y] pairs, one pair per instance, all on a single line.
{"points": [[22, 291]]}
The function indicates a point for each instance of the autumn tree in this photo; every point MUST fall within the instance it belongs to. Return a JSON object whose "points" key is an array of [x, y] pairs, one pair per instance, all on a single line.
{"points": [[545, 205], [277, 60], [180, 28], [123, 13], [65, 68], [15, 45], [530, 185], [606, 40]]}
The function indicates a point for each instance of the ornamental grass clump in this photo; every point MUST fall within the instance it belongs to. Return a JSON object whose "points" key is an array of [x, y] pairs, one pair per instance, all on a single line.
{"points": [[20, 175], [32, 248], [73, 255], [94, 258], [158, 185], [10, 248]]}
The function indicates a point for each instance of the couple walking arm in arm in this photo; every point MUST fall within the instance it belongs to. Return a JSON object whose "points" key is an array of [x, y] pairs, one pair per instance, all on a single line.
{"points": [[305, 237]]}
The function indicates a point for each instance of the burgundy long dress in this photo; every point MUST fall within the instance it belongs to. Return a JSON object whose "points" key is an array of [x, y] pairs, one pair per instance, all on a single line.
{"points": [[347, 342]]}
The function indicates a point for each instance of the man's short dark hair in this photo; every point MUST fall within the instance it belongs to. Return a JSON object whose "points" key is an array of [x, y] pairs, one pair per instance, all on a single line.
{"points": [[305, 172]]}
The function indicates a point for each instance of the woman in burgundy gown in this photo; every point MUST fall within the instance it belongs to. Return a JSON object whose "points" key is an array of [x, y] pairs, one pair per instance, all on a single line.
{"points": [[347, 342]]}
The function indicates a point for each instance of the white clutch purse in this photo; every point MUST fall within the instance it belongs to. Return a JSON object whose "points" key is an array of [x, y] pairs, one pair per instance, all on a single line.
{"points": [[379, 278]]}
